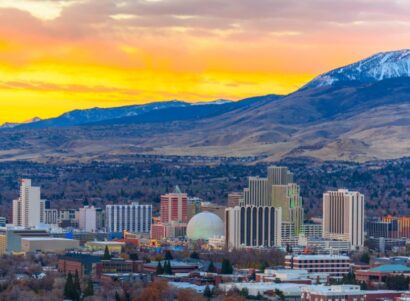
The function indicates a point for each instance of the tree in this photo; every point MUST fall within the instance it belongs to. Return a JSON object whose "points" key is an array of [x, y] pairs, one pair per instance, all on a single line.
{"points": [[397, 282], [160, 269], [77, 285], [117, 296], [280, 294], [188, 295], [365, 258], [168, 255], [134, 256], [226, 267], [211, 267], [194, 255], [167, 268], [89, 290], [70, 291], [263, 265], [107, 255], [244, 292], [207, 292]]}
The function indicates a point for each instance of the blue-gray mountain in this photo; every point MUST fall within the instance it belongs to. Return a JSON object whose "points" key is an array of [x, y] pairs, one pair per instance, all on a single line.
{"points": [[358, 112]]}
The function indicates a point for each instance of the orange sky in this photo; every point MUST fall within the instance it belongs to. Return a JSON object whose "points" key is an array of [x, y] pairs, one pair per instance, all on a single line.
{"points": [[58, 55]]}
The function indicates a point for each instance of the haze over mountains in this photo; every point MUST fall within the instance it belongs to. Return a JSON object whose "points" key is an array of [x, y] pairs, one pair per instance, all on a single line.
{"points": [[359, 112]]}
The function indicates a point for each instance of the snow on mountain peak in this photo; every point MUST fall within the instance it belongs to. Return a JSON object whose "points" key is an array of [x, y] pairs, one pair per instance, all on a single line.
{"points": [[383, 65]]}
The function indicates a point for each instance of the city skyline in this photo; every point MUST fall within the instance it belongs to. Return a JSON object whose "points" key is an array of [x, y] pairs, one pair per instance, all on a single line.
{"points": [[84, 54]]}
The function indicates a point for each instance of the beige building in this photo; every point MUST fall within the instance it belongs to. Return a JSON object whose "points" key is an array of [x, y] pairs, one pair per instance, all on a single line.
{"points": [[234, 199], [48, 244], [343, 216], [219, 210], [3, 242]]}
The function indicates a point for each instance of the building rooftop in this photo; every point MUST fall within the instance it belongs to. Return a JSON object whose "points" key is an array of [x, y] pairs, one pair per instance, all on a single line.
{"points": [[318, 257], [46, 238], [390, 268]]}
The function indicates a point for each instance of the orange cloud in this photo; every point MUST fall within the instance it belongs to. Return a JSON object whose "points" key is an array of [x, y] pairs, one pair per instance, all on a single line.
{"points": [[66, 54]]}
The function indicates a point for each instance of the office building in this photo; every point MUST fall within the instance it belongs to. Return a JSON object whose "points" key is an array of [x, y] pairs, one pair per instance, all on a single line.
{"points": [[134, 217], [51, 216], [252, 226], [343, 216], [174, 207], [68, 218], [403, 225], [28, 209], [334, 265]]}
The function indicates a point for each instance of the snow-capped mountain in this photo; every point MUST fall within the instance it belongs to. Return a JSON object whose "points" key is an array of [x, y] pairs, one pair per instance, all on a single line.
{"points": [[384, 65]]}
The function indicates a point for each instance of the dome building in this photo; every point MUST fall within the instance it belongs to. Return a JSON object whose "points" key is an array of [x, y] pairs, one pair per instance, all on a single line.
{"points": [[205, 225]]}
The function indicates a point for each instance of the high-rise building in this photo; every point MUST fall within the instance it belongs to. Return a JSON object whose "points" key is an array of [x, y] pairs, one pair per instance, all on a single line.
{"points": [[403, 225], [28, 209], [252, 226], [68, 218], [134, 217], [277, 190], [174, 207], [343, 216], [88, 219], [51, 216], [287, 196]]}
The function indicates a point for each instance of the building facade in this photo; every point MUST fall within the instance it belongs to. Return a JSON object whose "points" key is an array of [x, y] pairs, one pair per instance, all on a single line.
{"points": [[253, 226], [334, 265], [28, 209], [343, 216], [132, 218], [51, 216], [174, 207]]}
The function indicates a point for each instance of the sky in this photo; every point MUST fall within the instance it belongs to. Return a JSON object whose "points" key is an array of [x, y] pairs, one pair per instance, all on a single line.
{"points": [[59, 55]]}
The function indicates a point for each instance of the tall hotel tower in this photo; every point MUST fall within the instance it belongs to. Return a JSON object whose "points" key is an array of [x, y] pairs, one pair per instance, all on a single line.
{"points": [[267, 203], [28, 209], [343, 216], [132, 218]]}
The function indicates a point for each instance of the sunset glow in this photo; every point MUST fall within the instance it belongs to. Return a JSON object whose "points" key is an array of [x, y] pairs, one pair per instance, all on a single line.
{"points": [[59, 55]]}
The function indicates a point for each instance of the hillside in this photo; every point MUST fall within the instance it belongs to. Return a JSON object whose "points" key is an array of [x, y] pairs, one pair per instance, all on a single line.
{"points": [[353, 117]]}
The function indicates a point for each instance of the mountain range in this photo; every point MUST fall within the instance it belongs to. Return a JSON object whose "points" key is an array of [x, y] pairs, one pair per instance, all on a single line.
{"points": [[358, 112]]}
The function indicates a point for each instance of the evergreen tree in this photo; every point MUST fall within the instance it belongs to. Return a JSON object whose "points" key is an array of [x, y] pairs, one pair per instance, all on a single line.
{"points": [[211, 267], [226, 267], [159, 270], [194, 255], [107, 255], [244, 292], [167, 268], [89, 290], [168, 255], [207, 292], [117, 297], [263, 265], [77, 285], [70, 292]]}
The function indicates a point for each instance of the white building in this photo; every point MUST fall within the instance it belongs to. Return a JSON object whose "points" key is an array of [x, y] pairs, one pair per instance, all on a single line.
{"points": [[28, 209], [343, 216], [88, 219], [250, 226], [133, 218]]}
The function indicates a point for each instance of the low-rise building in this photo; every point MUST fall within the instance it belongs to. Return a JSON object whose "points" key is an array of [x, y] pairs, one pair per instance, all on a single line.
{"points": [[374, 277], [118, 265], [176, 266], [345, 293], [113, 246], [82, 263], [335, 265], [48, 244], [291, 276]]}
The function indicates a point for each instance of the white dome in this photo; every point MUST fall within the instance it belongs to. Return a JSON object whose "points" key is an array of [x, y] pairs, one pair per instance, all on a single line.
{"points": [[205, 225]]}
